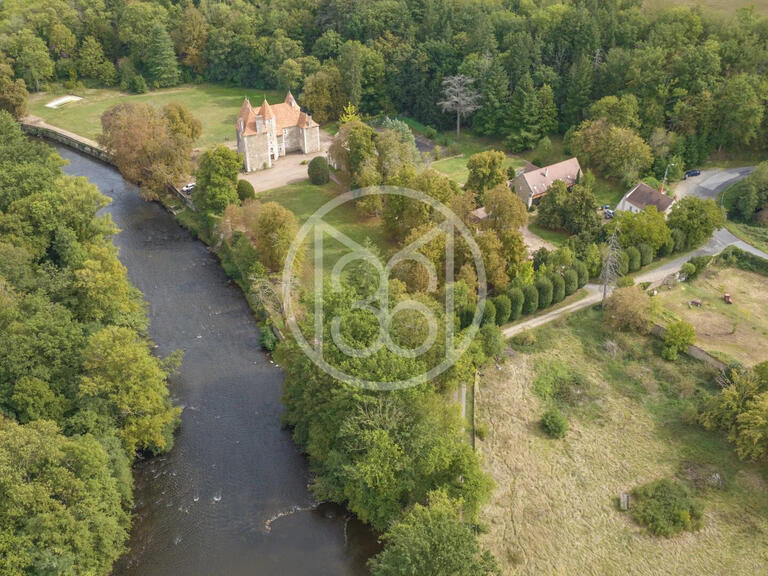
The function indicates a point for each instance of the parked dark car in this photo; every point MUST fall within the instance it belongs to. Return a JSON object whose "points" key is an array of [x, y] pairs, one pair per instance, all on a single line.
{"points": [[691, 173], [608, 213], [605, 207]]}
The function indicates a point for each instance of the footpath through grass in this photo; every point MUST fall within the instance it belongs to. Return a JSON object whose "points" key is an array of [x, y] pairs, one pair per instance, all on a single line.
{"points": [[215, 106], [555, 511]]}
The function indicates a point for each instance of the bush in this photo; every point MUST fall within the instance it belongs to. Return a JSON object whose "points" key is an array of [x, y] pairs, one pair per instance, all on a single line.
{"points": [[677, 338], [700, 263], [582, 271], [623, 258], [628, 309], [137, 84], [516, 301], [545, 288], [558, 288], [489, 315], [531, 299], [554, 423], [245, 190], [503, 309], [688, 270], [634, 259], [625, 281], [318, 171], [666, 507], [646, 254], [679, 239], [491, 340], [430, 132], [571, 279], [267, 336]]}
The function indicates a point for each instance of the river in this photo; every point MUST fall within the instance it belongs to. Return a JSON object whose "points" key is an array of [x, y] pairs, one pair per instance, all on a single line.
{"points": [[231, 498]]}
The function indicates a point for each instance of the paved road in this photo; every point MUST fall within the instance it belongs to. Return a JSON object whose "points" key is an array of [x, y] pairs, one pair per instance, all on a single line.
{"points": [[711, 182], [708, 185]]}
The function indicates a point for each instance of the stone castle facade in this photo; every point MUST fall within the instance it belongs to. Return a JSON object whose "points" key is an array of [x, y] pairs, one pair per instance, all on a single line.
{"points": [[268, 132]]}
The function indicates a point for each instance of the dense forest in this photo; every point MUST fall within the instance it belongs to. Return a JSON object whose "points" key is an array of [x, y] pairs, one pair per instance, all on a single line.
{"points": [[696, 81], [81, 395], [632, 91]]}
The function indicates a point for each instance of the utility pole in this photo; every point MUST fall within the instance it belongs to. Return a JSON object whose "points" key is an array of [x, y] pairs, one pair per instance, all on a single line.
{"points": [[664, 180]]}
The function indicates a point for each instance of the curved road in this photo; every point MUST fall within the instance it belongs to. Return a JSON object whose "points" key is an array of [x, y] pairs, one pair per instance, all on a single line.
{"points": [[708, 185]]}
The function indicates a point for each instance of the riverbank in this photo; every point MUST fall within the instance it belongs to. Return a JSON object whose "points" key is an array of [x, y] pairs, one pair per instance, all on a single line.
{"points": [[235, 471]]}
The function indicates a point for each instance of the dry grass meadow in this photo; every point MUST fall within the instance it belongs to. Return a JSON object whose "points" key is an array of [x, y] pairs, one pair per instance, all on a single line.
{"points": [[554, 510], [738, 331]]}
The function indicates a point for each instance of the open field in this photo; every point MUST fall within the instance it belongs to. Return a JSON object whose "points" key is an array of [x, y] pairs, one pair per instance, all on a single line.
{"points": [[730, 332], [304, 198], [215, 106], [723, 7], [554, 510], [456, 167]]}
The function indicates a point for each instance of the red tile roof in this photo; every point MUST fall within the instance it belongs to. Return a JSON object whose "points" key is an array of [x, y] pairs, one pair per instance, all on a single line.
{"points": [[540, 179], [286, 115], [643, 195]]}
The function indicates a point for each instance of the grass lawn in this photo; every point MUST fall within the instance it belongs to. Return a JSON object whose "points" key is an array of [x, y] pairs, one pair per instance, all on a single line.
{"points": [[556, 237], [456, 167], [755, 235], [723, 7], [215, 106], [554, 508], [304, 198], [738, 331]]}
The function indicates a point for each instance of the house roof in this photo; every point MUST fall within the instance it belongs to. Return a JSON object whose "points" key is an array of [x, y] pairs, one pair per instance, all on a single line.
{"points": [[286, 115], [643, 195], [540, 179]]}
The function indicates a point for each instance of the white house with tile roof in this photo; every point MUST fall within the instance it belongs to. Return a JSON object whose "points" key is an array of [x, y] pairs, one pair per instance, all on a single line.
{"points": [[270, 131], [533, 184]]}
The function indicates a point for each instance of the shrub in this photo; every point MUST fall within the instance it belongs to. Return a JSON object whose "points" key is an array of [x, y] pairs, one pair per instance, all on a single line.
{"points": [[646, 254], [571, 279], [582, 271], [245, 190], [531, 299], [558, 288], [503, 309], [491, 340], [544, 287], [666, 507], [554, 423], [267, 337], [628, 309], [489, 315], [688, 270], [430, 132], [679, 239], [318, 171], [623, 258], [560, 383], [516, 301], [634, 259], [625, 281], [677, 338], [699, 263]]}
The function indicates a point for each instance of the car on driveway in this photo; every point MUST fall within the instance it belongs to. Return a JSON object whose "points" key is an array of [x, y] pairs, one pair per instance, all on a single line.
{"points": [[608, 213], [188, 188], [605, 207], [691, 174]]}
